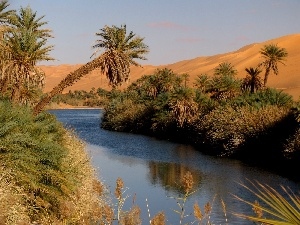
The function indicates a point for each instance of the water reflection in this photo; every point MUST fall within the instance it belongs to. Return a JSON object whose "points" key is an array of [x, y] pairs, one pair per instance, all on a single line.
{"points": [[169, 175], [153, 168]]}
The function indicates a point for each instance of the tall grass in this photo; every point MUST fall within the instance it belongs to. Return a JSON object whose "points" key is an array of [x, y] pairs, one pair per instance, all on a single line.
{"points": [[46, 175]]}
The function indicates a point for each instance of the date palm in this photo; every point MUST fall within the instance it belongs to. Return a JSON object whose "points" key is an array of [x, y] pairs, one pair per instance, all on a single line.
{"points": [[4, 13], [252, 81], [182, 105], [224, 85], [24, 45], [202, 82], [225, 69], [119, 51], [272, 55]]}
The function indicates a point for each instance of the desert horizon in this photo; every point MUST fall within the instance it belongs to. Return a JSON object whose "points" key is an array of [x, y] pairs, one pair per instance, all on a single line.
{"points": [[288, 79]]}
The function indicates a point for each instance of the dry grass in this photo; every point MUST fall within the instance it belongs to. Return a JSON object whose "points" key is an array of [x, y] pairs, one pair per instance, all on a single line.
{"points": [[81, 207], [12, 210]]}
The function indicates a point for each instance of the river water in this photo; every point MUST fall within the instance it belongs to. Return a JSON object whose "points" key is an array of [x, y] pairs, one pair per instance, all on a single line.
{"points": [[151, 170]]}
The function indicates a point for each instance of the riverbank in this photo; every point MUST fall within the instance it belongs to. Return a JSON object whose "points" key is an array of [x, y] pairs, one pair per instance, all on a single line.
{"points": [[54, 105], [158, 166], [46, 174]]}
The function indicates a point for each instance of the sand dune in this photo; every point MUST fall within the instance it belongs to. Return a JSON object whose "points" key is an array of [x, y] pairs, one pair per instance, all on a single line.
{"points": [[288, 79]]}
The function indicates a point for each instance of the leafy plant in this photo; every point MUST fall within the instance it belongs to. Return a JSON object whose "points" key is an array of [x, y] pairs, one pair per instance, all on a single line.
{"points": [[275, 209]]}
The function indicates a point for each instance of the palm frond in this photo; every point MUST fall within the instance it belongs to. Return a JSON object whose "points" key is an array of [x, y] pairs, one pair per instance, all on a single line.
{"points": [[283, 210]]}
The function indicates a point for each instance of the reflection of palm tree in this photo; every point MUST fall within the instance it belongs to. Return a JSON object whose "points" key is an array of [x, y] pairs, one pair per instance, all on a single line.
{"points": [[252, 81], [120, 50], [168, 175], [272, 55]]}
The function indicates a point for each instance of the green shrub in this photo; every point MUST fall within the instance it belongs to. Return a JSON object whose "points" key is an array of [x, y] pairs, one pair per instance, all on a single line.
{"points": [[46, 167], [265, 97], [229, 128], [124, 116]]}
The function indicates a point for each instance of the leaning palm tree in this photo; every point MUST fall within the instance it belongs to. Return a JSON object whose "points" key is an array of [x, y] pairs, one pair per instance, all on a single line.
{"points": [[252, 81], [119, 52], [24, 45], [272, 55]]}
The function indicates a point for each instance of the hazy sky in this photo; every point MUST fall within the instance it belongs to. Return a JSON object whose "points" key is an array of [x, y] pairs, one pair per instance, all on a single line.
{"points": [[174, 30]]}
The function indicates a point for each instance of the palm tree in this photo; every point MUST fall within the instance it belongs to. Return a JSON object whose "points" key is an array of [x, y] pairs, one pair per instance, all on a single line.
{"points": [[186, 78], [24, 45], [182, 105], [224, 85], [225, 69], [272, 55], [202, 82], [4, 18], [252, 81], [5, 15], [120, 50]]}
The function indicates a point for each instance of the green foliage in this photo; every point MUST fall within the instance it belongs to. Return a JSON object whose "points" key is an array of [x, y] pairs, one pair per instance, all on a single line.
{"points": [[269, 96], [272, 55], [32, 147], [92, 98], [202, 83], [229, 128], [223, 85], [120, 51], [225, 69], [36, 157], [124, 116], [252, 81], [23, 44]]}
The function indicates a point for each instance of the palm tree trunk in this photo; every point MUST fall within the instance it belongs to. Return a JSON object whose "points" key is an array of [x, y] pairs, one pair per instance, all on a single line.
{"points": [[252, 87], [266, 75], [69, 80]]}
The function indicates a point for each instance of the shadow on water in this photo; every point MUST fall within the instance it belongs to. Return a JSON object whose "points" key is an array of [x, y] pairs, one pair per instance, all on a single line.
{"points": [[153, 168]]}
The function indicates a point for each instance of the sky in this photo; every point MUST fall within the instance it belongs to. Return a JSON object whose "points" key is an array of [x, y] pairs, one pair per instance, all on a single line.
{"points": [[174, 30]]}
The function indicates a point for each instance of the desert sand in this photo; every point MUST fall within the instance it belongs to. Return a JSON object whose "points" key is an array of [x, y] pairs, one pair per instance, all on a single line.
{"points": [[288, 79]]}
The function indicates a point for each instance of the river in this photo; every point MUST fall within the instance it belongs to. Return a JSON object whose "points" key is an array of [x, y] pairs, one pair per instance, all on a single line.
{"points": [[151, 170]]}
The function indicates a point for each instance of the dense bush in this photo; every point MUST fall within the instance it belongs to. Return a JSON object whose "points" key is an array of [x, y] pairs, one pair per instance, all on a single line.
{"points": [[45, 173], [93, 98], [228, 128], [161, 105]]}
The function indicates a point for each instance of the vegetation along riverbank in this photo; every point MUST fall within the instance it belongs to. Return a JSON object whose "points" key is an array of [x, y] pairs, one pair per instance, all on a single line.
{"points": [[46, 175], [217, 116]]}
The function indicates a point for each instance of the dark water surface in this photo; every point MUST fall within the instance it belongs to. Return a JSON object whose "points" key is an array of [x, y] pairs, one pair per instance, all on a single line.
{"points": [[151, 169]]}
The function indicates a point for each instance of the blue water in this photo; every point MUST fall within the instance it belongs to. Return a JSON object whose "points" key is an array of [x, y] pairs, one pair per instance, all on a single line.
{"points": [[151, 169]]}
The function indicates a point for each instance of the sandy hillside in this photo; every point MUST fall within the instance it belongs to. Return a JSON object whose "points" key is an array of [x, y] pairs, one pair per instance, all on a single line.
{"points": [[248, 56]]}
